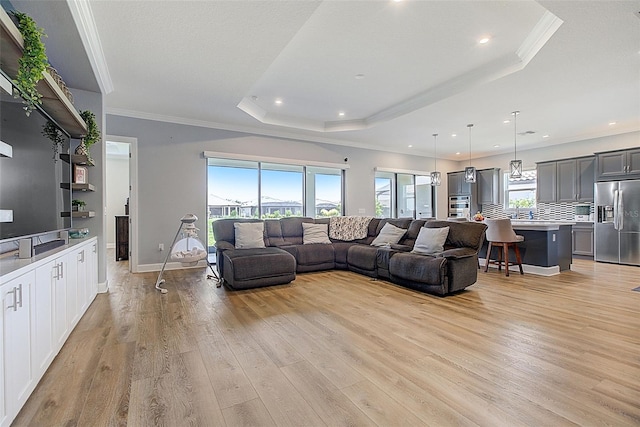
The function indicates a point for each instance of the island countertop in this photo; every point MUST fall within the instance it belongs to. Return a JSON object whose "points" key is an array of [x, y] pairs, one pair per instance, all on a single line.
{"points": [[541, 225]]}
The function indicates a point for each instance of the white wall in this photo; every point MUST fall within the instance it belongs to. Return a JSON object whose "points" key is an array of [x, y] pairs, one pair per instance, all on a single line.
{"points": [[117, 179]]}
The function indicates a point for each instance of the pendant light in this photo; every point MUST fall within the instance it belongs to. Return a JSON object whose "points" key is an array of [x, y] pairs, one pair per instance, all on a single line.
{"points": [[436, 178], [515, 166], [470, 171]]}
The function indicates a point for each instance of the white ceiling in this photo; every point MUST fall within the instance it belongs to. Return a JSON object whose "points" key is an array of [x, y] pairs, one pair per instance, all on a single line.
{"points": [[570, 67]]}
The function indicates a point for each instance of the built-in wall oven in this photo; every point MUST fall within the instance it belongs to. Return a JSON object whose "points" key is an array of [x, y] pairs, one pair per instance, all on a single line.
{"points": [[459, 206]]}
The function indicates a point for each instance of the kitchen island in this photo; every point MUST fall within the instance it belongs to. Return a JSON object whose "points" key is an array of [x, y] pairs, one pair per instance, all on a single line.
{"points": [[547, 246]]}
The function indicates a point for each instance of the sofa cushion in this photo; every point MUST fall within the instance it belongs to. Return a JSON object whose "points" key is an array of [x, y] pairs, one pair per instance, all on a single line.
{"points": [[315, 233], [249, 235], [411, 235], [313, 254], [389, 234], [292, 229], [431, 240], [274, 232], [461, 234]]}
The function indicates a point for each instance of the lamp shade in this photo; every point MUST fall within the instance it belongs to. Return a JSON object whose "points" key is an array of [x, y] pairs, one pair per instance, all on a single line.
{"points": [[436, 178], [470, 171], [515, 169]]}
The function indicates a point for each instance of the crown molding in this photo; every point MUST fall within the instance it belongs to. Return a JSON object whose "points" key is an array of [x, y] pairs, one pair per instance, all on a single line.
{"points": [[83, 17]]}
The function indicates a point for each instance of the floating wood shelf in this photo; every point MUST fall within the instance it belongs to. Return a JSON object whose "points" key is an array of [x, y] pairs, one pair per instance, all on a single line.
{"points": [[79, 214], [77, 159], [54, 101], [78, 187]]}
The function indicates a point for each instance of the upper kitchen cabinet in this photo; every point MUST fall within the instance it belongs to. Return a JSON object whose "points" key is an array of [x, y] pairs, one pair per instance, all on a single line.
{"points": [[489, 186], [622, 164], [456, 185], [575, 178], [547, 182]]}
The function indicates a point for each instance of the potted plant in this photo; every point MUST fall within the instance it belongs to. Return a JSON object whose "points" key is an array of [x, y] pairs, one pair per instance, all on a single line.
{"points": [[92, 136], [52, 132], [33, 62], [78, 205]]}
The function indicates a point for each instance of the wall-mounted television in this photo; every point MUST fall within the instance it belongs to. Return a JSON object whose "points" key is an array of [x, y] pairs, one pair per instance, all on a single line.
{"points": [[35, 193]]}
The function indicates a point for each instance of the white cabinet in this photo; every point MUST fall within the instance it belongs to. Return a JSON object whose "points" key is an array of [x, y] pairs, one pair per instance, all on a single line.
{"points": [[17, 377], [42, 303]]}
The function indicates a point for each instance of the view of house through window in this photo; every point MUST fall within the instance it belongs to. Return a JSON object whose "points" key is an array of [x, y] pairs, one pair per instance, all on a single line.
{"points": [[250, 189], [401, 195], [520, 192]]}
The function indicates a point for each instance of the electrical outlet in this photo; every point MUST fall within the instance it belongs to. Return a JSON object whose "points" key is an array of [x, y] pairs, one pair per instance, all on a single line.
{"points": [[161, 247]]}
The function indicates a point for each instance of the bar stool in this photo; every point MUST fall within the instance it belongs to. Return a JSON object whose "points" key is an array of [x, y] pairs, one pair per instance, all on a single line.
{"points": [[500, 233]]}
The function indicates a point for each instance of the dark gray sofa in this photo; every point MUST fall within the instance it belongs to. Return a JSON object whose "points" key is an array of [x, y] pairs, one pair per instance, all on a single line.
{"points": [[285, 255]]}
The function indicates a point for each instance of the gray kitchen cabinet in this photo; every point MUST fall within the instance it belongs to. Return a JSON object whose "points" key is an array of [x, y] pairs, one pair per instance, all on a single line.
{"points": [[582, 237], [456, 185], [489, 186], [575, 178], [621, 164], [546, 182]]}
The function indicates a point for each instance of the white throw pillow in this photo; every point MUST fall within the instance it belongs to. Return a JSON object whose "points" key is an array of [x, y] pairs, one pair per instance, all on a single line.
{"points": [[249, 235], [315, 233], [430, 240], [389, 235]]}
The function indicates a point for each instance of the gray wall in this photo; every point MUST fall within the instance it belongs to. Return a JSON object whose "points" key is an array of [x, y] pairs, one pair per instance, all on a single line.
{"points": [[172, 172]]}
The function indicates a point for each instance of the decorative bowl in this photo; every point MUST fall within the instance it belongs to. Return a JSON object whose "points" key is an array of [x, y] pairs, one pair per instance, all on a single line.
{"points": [[79, 233]]}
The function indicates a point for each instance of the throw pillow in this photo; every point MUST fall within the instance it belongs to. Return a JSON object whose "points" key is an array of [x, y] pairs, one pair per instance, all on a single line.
{"points": [[315, 233], [389, 235], [249, 235], [430, 240]]}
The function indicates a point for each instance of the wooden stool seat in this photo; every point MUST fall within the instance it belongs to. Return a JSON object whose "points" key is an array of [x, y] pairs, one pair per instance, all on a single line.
{"points": [[500, 234]]}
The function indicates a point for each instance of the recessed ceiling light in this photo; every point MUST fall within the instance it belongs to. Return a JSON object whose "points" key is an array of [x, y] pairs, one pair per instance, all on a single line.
{"points": [[453, 135], [612, 123], [254, 98], [496, 146], [545, 136], [359, 76], [278, 101], [484, 40], [458, 153], [506, 121], [410, 146], [341, 113]]}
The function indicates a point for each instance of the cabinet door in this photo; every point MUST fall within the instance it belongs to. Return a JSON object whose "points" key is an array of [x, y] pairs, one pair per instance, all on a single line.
{"points": [[611, 165], [74, 277], [16, 343], [42, 321], [586, 168], [633, 162], [546, 182], [92, 272], [453, 183], [583, 241], [489, 186], [566, 181]]}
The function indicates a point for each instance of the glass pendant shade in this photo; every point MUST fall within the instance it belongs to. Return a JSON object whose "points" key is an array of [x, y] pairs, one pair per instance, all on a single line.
{"points": [[515, 169], [470, 171], [436, 178], [470, 174]]}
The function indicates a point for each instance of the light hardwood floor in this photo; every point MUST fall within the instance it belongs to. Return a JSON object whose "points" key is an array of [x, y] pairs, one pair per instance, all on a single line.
{"points": [[337, 349]]}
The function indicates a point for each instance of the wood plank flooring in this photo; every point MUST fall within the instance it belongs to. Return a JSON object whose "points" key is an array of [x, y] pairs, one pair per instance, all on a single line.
{"points": [[338, 349]]}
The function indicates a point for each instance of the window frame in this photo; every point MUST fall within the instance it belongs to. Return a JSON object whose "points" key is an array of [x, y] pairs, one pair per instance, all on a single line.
{"points": [[506, 191]]}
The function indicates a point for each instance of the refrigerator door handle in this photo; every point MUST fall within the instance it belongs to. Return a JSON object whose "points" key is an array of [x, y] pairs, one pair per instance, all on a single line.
{"points": [[620, 212], [615, 209]]}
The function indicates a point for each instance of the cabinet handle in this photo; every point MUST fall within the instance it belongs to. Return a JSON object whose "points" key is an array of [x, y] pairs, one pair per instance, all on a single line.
{"points": [[95, 248], [13, 291], [81, 256], [56, 271], [61, 270], [19, 300]]}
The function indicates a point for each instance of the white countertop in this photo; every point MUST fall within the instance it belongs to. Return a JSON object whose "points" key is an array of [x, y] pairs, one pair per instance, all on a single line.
{"points": [[538, 224]]}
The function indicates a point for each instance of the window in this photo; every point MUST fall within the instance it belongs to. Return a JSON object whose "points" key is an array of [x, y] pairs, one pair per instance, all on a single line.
{"points": [[403, 195], [255, 189], [520, 192]]}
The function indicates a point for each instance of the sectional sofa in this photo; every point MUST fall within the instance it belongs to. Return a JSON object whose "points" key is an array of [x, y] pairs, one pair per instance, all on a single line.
{"points": [[286, 246]]}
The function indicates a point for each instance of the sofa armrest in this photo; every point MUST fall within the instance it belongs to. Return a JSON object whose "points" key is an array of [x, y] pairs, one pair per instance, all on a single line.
{"points": [[457, 253], [401, 248], [222, 245]]}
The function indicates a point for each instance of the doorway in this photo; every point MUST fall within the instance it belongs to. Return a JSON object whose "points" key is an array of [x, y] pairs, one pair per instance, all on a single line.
{"points": [[121, 200]]}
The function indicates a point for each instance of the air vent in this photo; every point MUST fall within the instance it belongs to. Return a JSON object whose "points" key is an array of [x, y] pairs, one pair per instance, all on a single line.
{"points": [[527, 132]]}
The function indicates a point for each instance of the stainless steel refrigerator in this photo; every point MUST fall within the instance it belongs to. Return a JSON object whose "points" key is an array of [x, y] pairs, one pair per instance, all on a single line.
{"points": [[617, 226]]}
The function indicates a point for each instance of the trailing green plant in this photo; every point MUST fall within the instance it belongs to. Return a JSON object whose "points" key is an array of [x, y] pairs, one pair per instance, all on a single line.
{"points": [[33, 62], [56, 136], [93, 133]]}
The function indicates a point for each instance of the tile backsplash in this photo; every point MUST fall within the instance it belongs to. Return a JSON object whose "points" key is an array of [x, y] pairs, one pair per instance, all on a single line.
{"points": [[544, 211]]}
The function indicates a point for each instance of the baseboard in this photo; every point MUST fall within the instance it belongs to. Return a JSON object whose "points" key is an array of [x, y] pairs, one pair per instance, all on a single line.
{"points": [[147, 268], [103, 287], [527, 268]]}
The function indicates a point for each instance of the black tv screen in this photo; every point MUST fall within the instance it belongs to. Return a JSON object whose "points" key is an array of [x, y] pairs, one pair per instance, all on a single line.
{"points": [[34, 183]]}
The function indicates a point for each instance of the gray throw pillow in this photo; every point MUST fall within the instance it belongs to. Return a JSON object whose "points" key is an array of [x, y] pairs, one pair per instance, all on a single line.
{"points": [[315, 233], [430, 240], [249, 235], [389, 235]]}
